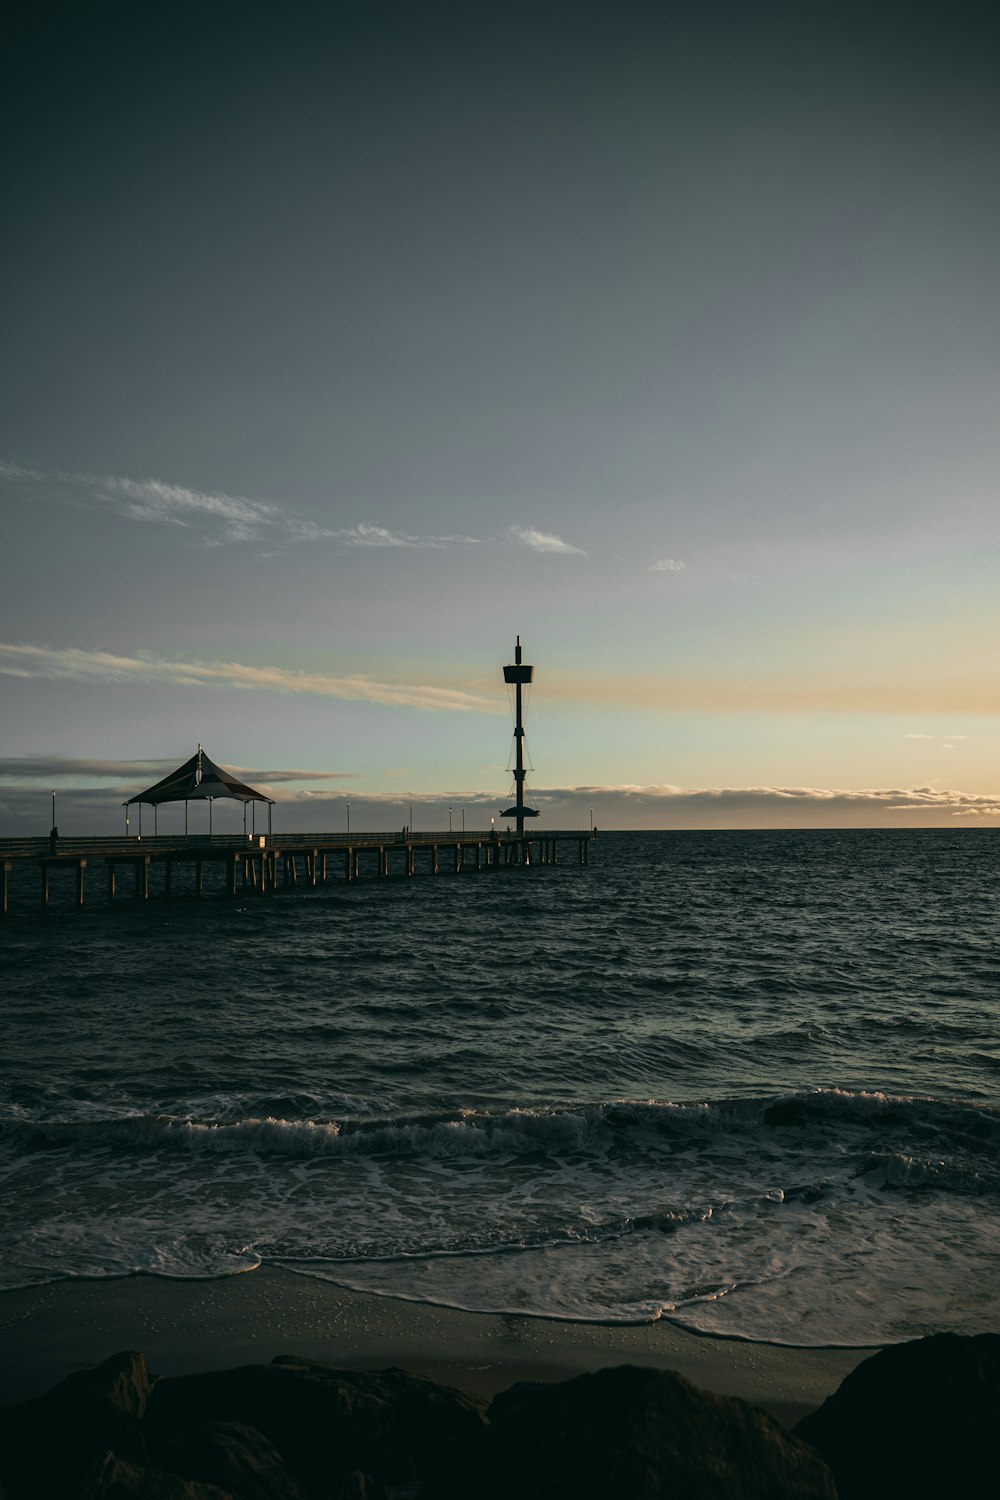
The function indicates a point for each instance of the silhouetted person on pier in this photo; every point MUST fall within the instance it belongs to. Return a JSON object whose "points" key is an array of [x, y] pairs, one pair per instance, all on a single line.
{"points": [[53, 840]]}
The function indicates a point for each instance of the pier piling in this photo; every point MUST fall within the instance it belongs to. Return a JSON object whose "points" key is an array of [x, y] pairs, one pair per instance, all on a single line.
{"points": [[254, 867]]}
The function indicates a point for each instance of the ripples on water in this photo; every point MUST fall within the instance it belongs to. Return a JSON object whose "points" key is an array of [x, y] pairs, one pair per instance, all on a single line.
{"points": [[747, 1081]]}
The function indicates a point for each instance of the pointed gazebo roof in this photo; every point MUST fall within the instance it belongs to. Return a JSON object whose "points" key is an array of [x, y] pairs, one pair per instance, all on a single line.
{"points": [[197, 778]]}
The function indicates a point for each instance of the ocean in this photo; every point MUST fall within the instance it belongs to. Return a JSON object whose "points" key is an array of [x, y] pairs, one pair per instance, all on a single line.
{"points": [[747, 1082]]}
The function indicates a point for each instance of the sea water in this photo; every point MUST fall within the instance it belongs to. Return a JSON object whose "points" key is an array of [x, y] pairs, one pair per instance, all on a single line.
{"points": [[745, 1082]]}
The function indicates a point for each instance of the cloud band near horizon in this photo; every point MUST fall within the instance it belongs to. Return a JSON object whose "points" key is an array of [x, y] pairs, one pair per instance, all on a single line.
{"points": [[75, 664], [624, 806]]}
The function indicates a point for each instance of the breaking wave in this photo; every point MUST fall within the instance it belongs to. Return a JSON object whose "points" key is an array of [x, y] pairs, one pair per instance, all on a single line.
{"points": [[839, 1117]]}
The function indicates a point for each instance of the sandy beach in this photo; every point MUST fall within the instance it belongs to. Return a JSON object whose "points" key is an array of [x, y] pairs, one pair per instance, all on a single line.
{"points": [[188, 1326]]}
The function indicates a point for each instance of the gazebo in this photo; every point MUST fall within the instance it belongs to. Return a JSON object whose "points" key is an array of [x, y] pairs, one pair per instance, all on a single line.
{"points": [[197, 780]]}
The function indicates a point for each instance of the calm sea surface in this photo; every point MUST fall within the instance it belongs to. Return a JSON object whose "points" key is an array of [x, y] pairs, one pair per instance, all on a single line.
{"points": [[746, 1082]]}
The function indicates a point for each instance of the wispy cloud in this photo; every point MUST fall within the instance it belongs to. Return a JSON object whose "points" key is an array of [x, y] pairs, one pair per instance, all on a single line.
{"points": [[236, 518], [53, 767], [214, 517], [11, 472], [667, 565], [944, 742], [46, 768], [380, 536], [542, 541], [666, 806], [250, 773], [376, 536], [76, 664]]}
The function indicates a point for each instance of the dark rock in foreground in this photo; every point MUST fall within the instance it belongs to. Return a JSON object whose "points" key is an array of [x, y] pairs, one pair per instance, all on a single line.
{"points": [[117, 1479], [918, 1419], [48, 1446], [635, 1433], [235, 1457], [326, 1423]]}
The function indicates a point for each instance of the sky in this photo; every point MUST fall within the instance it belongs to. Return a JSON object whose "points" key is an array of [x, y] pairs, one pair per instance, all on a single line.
{"points": [[344, 343]]}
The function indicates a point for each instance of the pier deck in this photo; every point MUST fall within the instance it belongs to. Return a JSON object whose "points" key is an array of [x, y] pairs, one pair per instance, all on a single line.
{"points": [[261, 864]]}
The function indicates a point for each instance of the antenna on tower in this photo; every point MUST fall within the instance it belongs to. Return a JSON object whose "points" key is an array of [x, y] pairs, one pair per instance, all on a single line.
{"points": [[520, 674]]}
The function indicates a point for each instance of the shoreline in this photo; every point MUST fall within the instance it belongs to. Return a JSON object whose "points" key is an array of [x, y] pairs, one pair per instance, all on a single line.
{"points": [[184, 1327]]}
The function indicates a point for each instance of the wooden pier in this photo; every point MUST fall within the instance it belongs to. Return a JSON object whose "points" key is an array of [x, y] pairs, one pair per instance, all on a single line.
{"points": [[261, 865]]}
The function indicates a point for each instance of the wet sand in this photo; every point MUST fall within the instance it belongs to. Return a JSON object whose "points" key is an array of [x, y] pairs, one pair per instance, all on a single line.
{"points": [[186, 1326]]}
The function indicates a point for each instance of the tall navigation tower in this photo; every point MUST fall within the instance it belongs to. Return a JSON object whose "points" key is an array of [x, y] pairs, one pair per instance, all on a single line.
{"points": [[520, 674]]}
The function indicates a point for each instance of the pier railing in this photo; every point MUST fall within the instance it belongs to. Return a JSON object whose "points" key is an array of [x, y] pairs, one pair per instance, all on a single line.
{"points": [[109, 845], [258, 862]]}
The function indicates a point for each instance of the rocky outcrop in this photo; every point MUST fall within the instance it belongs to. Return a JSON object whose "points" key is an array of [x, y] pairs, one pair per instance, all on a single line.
{"points": [[117, 1479], [326, 1423], [49, 1445], [634, 1434], [235, 1457], [917, 1419]]}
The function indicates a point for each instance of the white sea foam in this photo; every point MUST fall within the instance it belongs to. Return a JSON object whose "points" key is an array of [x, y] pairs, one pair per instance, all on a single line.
{"points": [[733, 1216]]}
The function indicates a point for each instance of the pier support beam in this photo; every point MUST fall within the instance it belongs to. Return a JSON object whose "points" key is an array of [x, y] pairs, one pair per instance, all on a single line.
{"points": [[45, 865], [446, 852]]}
